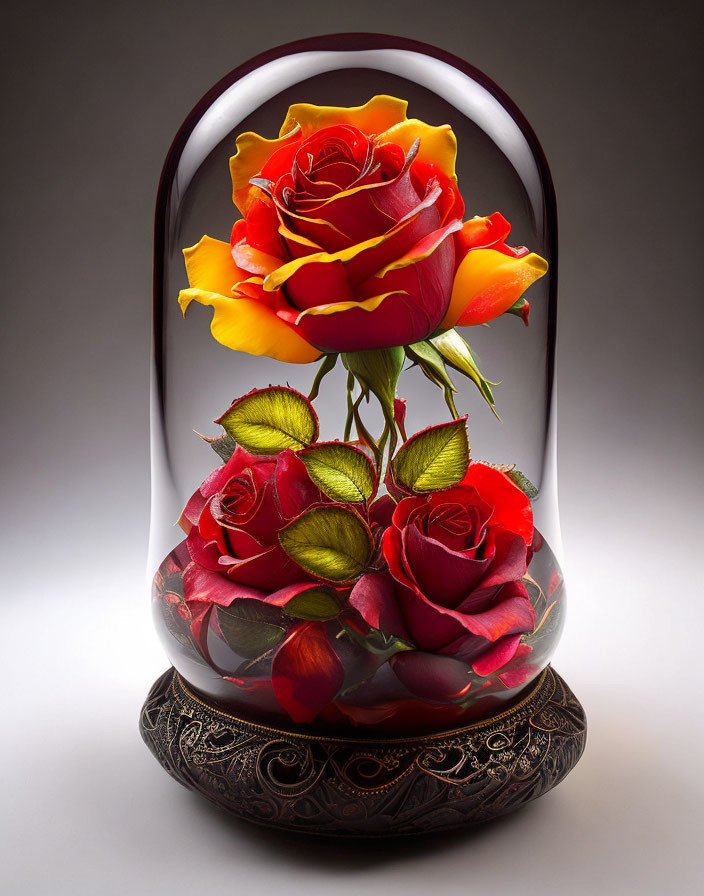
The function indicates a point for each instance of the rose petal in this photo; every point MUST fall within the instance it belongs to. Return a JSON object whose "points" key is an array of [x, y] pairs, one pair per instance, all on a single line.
{"points": [[269, 570], [295, 491], [497, 655], [512, 509], [424, 273], [374, 598], [203, 589], [488, 282], [381, 511], [211, 267], [437, 144], [450, 204], [365, 258], [306, 672], [509, 558], [254, 260], [433, 627], [481, 233], [512, 616], [432, 677], [377, 115], [430, 627], [446, 577], [253, 152], [319, 284], [205, 552], [378, 322], [371, 209], [518, 671], [262, 225], [250, 326]]}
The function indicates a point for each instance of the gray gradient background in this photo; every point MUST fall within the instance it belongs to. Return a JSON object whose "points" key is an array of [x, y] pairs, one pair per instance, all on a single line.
{"points": [[92, 97]]}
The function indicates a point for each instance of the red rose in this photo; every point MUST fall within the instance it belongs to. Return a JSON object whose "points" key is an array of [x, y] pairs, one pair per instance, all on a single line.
{"points": [[233, 522], [456, 559]]}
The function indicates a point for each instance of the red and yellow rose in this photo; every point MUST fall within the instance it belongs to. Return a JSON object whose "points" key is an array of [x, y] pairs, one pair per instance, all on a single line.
{"points": [[352, 238]]}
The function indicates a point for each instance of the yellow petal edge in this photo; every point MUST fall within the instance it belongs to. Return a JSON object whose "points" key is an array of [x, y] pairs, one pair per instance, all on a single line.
{"points": [[374, 117], [242, 324]]}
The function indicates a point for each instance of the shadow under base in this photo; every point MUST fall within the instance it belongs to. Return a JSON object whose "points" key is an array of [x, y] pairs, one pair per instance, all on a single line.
{"points": [[366, 787]]}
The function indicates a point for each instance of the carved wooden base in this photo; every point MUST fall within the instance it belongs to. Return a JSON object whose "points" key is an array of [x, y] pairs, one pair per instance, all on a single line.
{"points": [[367, 787]]}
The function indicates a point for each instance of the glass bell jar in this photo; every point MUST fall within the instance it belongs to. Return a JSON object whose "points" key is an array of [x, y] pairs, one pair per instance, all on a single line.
{"points": [[354, 519]]}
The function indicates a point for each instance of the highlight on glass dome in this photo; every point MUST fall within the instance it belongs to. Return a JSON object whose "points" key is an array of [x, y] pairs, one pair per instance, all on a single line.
{"points": [[353, 421]]}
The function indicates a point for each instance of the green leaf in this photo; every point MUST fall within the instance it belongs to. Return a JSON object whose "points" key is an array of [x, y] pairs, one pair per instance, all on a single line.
{"points": [[316, 604], [433, 459], [525, 485], [373, 639], [251, 627], [326, 365], [344, 473], [430, 361], [267, 421], [329, 541], [224, 446], [459, 355]]}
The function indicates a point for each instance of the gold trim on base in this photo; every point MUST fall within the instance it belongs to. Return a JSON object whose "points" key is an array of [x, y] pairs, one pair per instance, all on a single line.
{"points": [[366, 787]]}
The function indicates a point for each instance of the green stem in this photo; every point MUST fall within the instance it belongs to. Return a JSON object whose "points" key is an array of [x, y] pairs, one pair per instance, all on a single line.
{"points": [[363, 433], [350, 408]]}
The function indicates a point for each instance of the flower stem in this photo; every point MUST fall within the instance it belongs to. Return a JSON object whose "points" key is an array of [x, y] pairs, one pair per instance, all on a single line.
{"points": [[350, 408]]}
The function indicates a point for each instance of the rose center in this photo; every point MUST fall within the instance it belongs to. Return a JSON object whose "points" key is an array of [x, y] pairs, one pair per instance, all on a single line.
{"points": [[237, 503], [458, 526]]}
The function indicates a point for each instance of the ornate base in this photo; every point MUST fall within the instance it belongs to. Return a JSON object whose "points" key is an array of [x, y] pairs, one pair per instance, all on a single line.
{"points": [[366, 787]]}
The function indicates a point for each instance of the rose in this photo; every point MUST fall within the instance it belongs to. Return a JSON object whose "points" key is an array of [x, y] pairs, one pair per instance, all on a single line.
{"points": [[232, 523], [351, 239], [236, 561], [453, 591]]}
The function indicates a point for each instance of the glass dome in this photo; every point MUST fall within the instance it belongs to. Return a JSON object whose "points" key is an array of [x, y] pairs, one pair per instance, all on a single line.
{"points": [[357, 547]]}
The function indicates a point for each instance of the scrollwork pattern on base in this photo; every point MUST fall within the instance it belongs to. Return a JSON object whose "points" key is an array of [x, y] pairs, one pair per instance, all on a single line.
{"points": [[369, 787]]}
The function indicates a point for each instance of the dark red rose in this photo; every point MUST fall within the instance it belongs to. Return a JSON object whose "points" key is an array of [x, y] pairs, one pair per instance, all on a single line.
{"points": [[233, 522], [454, 591], [236, 515]]}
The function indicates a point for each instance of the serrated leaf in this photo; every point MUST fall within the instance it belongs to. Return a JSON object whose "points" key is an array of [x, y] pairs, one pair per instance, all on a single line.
{"points": [[459, 355], [268, 421], [342, 472], [316, 604], [250, 627], [433, 459], [329, 541], [525, 485]]}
